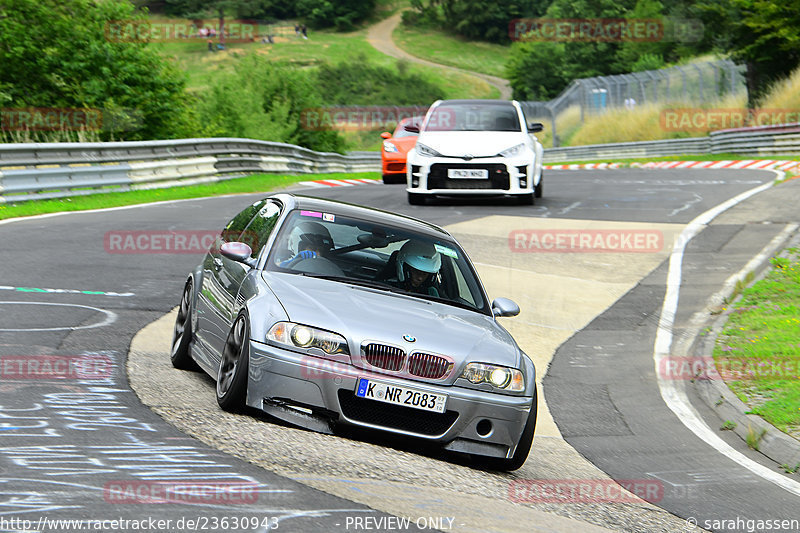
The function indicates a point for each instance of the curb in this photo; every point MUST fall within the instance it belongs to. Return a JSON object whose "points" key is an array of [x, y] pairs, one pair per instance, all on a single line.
{"points": [[339, 183], [744, 164], [774, 443]]}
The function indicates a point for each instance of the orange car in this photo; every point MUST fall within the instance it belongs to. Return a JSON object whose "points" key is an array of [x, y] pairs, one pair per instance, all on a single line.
{"points": [[394, 151]]}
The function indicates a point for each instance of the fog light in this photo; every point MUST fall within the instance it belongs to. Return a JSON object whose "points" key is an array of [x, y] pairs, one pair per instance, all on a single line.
{"points": [[484, 428]]}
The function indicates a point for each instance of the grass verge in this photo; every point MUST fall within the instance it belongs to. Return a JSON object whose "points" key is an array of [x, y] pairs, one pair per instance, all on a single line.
{"points": [[446, 49], [758, 351], [250, 184]]}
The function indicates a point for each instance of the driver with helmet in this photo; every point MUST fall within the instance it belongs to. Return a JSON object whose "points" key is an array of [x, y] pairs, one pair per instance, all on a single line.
{"points": [[307, 240], [417, 265]]}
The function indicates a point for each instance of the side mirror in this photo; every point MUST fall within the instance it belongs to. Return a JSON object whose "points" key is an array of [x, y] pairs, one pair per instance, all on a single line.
{"points": [[411, 128], [504, 307], [386, 135], [237, 251], [535, 127]]}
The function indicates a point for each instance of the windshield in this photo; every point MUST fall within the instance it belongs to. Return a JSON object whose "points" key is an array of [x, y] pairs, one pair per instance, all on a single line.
{"points": [[382, 257], [473, 117], [400, 131]]}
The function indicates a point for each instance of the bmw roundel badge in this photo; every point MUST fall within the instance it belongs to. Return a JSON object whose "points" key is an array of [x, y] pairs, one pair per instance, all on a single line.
{"points": [[409, 338]]}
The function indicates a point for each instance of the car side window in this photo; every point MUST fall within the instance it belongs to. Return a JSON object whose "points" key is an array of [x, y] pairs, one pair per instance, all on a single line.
{"points": [[233, 229], [260, 228]]}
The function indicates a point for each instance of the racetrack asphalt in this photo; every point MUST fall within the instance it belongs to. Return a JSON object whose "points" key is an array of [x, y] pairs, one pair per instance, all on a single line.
{"points": [[602, 399]]}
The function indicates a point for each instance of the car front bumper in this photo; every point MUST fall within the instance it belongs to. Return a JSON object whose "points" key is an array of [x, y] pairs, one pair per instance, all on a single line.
{"points": [[506, 176], [317, 393]]}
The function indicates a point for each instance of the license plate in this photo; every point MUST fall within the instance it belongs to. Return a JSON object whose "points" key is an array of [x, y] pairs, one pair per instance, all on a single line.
{"points": [[397, 395], [467, 173]]}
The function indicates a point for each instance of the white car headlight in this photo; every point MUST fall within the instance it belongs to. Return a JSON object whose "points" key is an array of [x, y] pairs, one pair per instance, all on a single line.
{"points": [[501, 377], [389, 147], [426, 151], [294, 335], [513, 151]]}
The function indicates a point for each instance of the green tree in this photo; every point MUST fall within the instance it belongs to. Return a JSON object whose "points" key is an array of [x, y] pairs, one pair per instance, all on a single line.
{"points": [[760, 34], [60, 53]]}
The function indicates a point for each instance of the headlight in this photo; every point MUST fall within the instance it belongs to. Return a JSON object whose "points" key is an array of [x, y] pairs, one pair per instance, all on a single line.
{"points": [[389, 147], [427, 151], [501, 377], [513, 151], [299, 336]]}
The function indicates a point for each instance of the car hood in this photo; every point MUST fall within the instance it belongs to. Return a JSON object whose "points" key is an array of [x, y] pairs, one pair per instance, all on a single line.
{"points": [[475, 143], [362, 313]]}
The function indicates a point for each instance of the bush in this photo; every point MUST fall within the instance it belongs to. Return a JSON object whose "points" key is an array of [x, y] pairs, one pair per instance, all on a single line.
{"points": [[62, 58], [265, 100]]}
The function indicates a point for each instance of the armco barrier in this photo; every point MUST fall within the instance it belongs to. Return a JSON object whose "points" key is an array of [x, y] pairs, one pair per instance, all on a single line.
{"points": [[57, 170]]}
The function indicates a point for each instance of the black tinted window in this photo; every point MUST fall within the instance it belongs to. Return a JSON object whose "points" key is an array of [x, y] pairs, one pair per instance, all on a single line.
{"points": [[259, 230], [233, 230]]}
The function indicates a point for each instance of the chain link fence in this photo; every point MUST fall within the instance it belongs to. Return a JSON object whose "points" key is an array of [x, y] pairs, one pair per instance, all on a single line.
{"points": [[696, 83]]}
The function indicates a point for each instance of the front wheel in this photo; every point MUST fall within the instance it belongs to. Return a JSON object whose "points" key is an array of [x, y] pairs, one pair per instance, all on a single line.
{"points": [[232, 374], [539, 189], [523, 446], [525, 199], [180, 355], [416, 198]]}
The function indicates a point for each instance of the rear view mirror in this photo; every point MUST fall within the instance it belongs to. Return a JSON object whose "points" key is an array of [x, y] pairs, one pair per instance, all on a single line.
{"points": [[535, 127], [411, 128], [386, 135]]}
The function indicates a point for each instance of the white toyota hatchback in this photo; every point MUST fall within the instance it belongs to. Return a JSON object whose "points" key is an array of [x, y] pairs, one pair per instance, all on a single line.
{"points": [[475, 147]]}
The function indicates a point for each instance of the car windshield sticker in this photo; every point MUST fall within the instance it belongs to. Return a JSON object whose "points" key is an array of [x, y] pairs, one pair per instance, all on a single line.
{"points": [[315, 214], [446, 251], [327, 217]]}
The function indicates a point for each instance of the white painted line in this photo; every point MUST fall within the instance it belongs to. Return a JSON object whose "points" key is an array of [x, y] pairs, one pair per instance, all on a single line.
{"points": [[310, 184], [111, 317], [674, 396]]}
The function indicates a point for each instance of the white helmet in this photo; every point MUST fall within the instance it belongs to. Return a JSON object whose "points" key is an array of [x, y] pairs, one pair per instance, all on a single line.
{"points": [[419, 255], [309, 233]]}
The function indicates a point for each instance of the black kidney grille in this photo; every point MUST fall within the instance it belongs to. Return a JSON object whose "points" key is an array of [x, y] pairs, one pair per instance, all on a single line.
{"points": [[384, 356], [425, 365]]}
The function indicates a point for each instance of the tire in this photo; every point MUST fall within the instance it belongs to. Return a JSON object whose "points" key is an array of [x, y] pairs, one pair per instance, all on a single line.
{"points": [[523, 446], [231, 386], [525, 199], [394, 179], [416, 198], [539, 189], [180, 354]]}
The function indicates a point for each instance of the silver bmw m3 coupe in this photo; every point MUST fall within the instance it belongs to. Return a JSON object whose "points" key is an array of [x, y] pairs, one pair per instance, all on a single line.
{"points": [[323, 314]]}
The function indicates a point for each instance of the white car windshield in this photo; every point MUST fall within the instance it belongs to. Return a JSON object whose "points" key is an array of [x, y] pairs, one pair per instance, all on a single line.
{"points": [[368, 253], [460, 116]]}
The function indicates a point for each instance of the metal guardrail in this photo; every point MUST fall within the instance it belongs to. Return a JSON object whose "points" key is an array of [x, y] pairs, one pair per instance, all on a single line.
{"points": [[764, 141], [57, 170]]}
